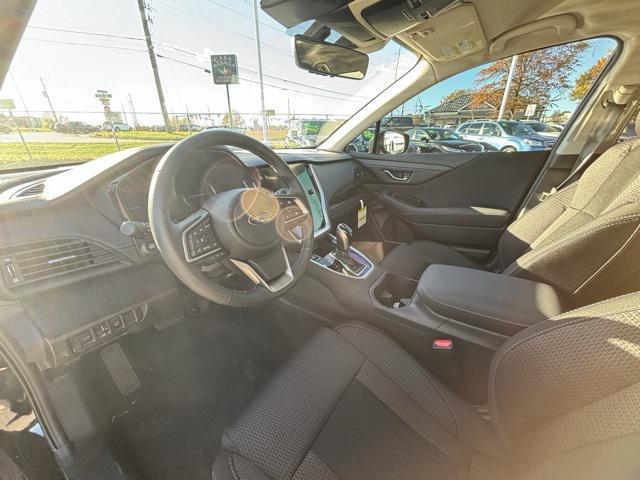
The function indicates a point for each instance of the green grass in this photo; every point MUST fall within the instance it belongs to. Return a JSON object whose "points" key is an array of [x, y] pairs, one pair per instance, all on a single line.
{"points": [[144, 135], [13, 154]]}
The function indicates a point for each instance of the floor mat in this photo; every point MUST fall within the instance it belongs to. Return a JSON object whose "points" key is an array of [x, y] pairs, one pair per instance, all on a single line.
{"points": [[173, 431]]}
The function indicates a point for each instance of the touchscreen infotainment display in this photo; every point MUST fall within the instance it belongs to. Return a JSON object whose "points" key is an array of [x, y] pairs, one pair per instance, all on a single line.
{"points": [[315, 202]]}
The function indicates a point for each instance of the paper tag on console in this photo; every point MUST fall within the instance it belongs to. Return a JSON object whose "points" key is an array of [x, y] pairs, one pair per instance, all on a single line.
{"points": [[362, 214]]}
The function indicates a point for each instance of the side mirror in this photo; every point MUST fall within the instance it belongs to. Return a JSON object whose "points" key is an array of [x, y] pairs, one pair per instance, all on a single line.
{"points": [[323, 58], [394, 142]]}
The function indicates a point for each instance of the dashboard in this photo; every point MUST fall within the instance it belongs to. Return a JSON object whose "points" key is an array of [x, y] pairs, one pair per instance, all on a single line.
{"points": [[71, 281]]}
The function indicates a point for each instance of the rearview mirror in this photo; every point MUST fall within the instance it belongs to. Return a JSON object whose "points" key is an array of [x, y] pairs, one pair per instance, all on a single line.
{"points": [[325, 58]]}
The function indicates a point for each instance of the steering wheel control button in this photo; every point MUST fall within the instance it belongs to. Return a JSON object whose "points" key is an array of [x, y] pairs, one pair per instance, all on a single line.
{"points": [[200, 241]]}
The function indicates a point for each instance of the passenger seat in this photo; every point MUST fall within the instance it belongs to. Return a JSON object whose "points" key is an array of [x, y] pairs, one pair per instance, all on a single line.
{"points": [[584, 239]]}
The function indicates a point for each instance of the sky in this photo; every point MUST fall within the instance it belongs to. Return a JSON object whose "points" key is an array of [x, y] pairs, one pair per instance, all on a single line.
{"points": [[72, 73], [74, 65]]}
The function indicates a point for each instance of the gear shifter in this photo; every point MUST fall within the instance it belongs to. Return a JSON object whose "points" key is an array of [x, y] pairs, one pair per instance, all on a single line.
{"points": [[346, 262], [343, 237]]}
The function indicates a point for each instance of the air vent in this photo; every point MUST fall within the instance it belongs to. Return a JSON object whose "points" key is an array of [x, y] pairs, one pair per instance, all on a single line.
{"points": [[31, 190], [36, 262]]}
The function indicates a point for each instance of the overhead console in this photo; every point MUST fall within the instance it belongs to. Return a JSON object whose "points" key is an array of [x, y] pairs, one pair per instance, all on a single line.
{"points": [[390, 17]]}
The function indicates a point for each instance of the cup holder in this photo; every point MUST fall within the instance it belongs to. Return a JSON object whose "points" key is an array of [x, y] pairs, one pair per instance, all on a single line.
{"points": [[393, 291]]}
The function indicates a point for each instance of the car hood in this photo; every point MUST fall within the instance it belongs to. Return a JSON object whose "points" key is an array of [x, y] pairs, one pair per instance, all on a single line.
{"points": [[538, 138]]}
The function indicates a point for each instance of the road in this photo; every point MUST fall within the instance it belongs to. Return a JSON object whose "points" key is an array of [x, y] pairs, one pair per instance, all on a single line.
{"points": [[52, 137]]}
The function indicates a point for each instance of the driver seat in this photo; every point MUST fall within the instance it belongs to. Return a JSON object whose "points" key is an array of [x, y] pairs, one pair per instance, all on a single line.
{"points": [[564, 400]]}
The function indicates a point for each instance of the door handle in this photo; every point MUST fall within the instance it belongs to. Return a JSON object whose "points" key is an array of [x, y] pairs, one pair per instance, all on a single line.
{"points": [[398, 175]]}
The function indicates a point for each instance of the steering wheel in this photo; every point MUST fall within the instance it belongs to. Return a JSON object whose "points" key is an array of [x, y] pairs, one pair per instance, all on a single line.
{"points": [[247, 230]]}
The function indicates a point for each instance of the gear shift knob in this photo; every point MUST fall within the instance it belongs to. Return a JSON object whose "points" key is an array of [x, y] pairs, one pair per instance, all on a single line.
{"points": [[343, 237]]}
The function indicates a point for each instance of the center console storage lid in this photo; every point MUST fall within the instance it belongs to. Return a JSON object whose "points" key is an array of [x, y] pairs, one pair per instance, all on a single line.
{"points": [[487, 300]]}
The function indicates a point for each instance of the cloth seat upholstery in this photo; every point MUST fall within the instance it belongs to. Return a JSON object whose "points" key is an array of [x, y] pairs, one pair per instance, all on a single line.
{"points": [[352, 404]]}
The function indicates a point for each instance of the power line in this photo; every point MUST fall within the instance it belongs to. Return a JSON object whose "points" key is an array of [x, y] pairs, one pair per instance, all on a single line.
{"points": [[254, 81], [80, 32], [60, 42], [182, 62], [111, 47], [242, 14], [328, 90], [208, 21]]}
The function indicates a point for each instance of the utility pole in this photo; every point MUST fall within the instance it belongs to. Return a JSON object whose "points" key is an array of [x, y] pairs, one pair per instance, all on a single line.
{"points": [[229, 108], [265, 132], [188, 119], [46, 95], [152, 58], [126, 120], [133, 112], [507, 87]]}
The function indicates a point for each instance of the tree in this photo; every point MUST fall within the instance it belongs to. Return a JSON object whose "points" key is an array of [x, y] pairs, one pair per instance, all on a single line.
{"points": [[585, 80], [539, 77], [455, 94], [236, 120]]}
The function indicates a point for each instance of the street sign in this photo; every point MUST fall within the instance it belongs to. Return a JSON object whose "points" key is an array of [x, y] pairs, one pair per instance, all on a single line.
{"points": [[531, 110], [224, 69], [104, 97], [269, 112], [7, 104]]}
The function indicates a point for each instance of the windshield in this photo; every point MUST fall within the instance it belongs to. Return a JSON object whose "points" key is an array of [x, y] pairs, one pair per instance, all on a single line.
{"points": [[81, 84], [517, 129]]}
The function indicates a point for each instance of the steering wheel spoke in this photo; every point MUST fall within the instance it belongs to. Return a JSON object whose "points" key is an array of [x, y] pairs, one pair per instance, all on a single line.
{"points": [[273, 271], [294, 218], [198, 240]]}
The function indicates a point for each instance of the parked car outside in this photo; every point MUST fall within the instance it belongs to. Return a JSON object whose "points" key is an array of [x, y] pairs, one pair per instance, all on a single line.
{"points": [[190, 128], [117, 126], [546, 129], [306, 133], [447, 138], [73, 127], [506, 135]]}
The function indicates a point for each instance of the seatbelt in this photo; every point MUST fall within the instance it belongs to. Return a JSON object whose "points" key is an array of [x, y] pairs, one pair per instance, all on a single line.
{"points": [[613, 111]]}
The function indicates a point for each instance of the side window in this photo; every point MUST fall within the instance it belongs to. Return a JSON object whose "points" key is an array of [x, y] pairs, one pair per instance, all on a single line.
{"points": [[474, 129], [546, 88], [490, 129]]}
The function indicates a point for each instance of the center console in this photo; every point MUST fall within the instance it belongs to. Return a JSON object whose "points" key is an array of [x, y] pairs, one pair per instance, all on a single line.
{"points": [[336, 254], [452, 320]]}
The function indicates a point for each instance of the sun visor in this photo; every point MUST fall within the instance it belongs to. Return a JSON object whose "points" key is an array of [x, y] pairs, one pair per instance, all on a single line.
{"points": [[290, 13]]}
